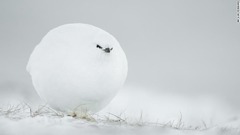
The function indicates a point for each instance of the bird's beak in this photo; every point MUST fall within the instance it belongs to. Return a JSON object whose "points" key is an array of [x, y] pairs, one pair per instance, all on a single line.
{"points": [[107, 50]]}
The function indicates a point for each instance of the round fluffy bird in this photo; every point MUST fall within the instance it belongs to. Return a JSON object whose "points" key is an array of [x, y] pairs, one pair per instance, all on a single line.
{"points": [[78, 66]]}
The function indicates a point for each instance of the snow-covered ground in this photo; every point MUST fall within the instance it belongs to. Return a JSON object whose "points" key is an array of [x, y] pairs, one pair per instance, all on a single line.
{"points": [[133, 111]]}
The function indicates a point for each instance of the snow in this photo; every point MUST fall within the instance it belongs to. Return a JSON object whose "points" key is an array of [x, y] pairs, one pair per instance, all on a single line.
{"points": [[133, 111]]}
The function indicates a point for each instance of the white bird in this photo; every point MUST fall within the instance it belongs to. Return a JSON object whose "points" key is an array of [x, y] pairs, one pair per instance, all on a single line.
{"points": [[78, 66]]}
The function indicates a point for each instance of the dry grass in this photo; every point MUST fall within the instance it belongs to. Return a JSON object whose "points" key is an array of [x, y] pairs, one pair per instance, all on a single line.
{"points": [[23, 110]]}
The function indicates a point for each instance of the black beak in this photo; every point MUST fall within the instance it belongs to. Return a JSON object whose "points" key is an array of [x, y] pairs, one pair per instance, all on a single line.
{"points": [[107, 50]]}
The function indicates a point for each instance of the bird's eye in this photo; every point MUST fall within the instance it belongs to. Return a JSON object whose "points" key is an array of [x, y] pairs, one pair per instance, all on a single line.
{"points": [[98, 46]]}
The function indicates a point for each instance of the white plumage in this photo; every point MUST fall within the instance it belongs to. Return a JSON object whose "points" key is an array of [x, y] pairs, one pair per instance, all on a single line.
{"points": [[78, 66]]}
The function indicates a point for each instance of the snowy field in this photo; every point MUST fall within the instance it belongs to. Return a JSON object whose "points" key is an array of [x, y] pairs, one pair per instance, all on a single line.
{"points": [[133, 111]]}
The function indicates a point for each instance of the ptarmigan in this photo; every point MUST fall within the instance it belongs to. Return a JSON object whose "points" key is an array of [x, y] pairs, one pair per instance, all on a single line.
{"points": [[78, 66]]}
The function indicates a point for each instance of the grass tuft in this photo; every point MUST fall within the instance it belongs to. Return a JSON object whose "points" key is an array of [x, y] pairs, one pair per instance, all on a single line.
{"points": [[23, 110]]}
